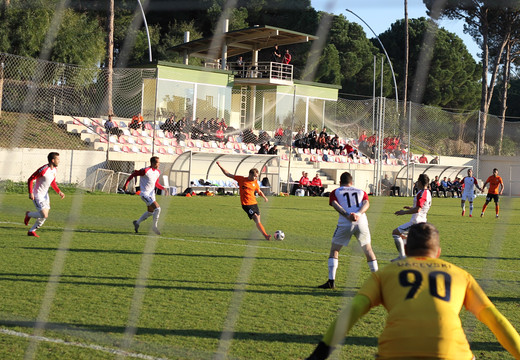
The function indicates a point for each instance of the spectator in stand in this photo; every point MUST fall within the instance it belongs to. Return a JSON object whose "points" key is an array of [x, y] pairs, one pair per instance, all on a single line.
{"points": [[389, 188], [334, 144], [276, 56], [450, 187], [169, 125], [111, 127], [287, 57], [263, 137], [386, 185], [362, 137], [444, 186], [298, 139], [223, 124], [278, 135], [137, 122], [220, 134], [435, 160], [435, 186], [312, 138], [239, 67], [456, 188], [273, 150], [423, 159], [264, 148], [317, 186], [249, 137], [305, 182], [287, 137], [321, 143]]}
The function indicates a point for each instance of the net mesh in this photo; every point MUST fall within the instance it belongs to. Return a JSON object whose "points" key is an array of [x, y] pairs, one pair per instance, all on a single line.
{"points": [[58, 106]]}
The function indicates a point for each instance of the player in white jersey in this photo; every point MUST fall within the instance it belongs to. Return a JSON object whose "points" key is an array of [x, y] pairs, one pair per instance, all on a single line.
{"points": [[351, 204], [149, 181], [421, 204], [468, 183], [45, 177]]}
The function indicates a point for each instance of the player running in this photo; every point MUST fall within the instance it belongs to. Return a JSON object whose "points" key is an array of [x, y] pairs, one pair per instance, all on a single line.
{"points": [[351, 204], [149, 181], [496, 187], [468, 184], [248, 187], [45, 177], [423, 296], [421, 204]]}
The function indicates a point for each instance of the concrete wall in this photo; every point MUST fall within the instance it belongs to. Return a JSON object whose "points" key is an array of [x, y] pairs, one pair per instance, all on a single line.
{"points": [[508, 169], [19, 164]]}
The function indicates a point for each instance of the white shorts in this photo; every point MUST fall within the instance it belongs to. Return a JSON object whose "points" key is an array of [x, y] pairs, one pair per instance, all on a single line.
{"points": [[42, 203], [343, 233], [149, 199], [403, 229], [469, 196]]}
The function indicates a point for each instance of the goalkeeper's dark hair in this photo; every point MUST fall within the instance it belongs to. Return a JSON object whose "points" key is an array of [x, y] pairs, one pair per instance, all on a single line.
{"points": [[423, 239], [345, 179], [154, 159]]}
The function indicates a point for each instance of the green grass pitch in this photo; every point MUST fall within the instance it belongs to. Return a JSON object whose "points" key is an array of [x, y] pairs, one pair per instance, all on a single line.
{"points": [[209, 287]]}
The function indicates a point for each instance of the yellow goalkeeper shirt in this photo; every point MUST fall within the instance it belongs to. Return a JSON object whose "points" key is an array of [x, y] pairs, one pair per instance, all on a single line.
{"points": [[423, 297]]}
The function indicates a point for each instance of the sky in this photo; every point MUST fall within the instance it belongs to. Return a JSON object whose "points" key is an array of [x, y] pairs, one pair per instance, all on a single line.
{"points": [[380, 14]]}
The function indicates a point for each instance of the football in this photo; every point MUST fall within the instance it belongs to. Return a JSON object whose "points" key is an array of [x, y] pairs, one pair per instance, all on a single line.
{"points": [[279, 235]]}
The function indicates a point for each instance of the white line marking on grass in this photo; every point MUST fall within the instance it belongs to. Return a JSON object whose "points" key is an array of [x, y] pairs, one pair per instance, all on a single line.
{"points": [[78, 344]]}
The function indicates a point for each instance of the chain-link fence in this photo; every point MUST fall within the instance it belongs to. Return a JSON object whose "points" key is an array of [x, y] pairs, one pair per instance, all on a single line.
{"points": [[50, 105]]}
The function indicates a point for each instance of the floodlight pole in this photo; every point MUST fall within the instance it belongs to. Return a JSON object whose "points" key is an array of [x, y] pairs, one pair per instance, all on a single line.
{"points": [[147, 32], [387, 58]]}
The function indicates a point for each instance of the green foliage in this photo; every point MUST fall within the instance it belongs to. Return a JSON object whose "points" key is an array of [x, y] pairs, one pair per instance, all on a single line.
{"points": [[453, 75], [209, 267], [329, 69], [356, 58]]}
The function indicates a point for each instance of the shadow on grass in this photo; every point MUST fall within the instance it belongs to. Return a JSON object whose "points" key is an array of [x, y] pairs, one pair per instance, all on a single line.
{"points": [[131, 252], [178, 285]]}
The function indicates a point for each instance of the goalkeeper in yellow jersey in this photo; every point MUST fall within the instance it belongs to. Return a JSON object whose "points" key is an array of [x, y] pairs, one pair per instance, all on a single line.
{"points": [[423, 296]]}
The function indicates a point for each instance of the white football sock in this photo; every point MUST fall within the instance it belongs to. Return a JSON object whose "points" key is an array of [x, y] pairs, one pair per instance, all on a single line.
{"points": [[143, 217], [399, 244], [156, 214], [34, 214], [372, 265], [333, 266], [38, 223], [470, 208]]}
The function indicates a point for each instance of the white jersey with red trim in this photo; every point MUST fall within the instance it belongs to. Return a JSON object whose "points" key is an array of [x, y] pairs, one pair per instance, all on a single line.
{"points": [[469, 184], [351, 199], [423, 200], [149, 180], [45, 177]]}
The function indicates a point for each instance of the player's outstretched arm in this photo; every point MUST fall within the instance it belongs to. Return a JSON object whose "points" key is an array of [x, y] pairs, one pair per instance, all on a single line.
{"points": [[224, 171], [505, 333], [339, 328]]}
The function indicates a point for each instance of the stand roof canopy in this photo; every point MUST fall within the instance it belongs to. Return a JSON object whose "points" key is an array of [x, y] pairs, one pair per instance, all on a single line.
{"points": [[242, 41]]}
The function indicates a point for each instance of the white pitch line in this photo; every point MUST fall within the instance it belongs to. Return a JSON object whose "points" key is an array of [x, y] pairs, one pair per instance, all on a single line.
{"points": [[81, 345]]}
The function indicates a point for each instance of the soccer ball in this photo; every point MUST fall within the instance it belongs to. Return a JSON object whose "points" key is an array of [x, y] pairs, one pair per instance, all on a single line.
{"points": [[279, 235]]}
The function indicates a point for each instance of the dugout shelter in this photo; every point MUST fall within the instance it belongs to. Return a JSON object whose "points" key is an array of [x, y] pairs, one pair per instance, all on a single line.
{"points": [[407, 175], [190, 167]]}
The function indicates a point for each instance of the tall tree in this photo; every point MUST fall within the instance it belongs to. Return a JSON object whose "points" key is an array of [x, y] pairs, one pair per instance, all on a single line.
{"points": [[356, 58], [452, 80], [481, 17]]}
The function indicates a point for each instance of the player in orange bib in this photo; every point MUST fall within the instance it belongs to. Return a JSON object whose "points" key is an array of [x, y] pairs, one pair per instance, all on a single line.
{"points": [[423, 296], [248, 187], [496, 187]]}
